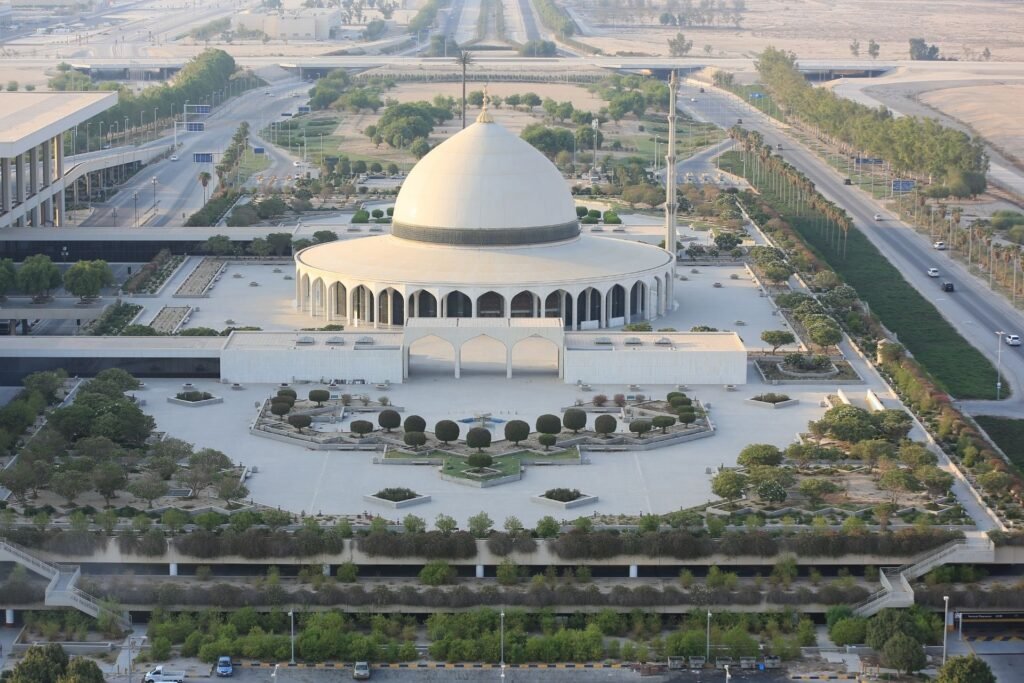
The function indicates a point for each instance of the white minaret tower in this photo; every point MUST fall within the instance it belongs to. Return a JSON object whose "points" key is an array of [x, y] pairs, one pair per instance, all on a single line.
{"points": [[670, 170]]}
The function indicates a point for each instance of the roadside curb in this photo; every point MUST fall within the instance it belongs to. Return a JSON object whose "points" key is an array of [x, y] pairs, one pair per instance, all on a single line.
{"points": [[429, 665]]}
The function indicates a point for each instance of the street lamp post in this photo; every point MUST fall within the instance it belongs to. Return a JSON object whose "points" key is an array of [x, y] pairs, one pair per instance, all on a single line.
{"points": [[999, 362], [707, 651], [87, 124], [503, 644], [154, 191], [291, 614], [135, 197], [945, 626], [155, 111]]}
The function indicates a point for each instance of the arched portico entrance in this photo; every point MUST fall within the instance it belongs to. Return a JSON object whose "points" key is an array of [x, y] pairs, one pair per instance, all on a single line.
{"points": [[431, 356], [534, 356]]}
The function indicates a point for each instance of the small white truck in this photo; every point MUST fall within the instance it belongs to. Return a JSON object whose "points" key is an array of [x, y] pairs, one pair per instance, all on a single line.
{"points": [[162, 675]]}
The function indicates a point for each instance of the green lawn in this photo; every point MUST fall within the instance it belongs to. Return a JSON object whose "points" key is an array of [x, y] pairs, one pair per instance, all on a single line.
{"points": [[956, 366], [1008, 435], [506, 465]]}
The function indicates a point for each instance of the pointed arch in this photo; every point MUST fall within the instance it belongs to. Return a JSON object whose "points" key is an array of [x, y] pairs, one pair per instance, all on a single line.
{"points": [[457, 305], [490, 305], [484, 355], [422, 304], [524, 305]]}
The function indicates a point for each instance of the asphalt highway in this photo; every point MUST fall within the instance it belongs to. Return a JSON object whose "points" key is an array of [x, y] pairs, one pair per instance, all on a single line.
{"points": [[975, 311]]}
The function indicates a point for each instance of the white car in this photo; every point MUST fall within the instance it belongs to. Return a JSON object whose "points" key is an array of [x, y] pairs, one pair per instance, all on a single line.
{"points": [[296, 163], [878, 216], [174, 157], [933, 272], [941, 246], [1013, 340]]}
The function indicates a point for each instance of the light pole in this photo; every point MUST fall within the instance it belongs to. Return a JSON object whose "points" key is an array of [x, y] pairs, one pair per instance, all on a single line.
{"points": [[135, 197], [999, 362], [728, 676], [291, 614], [154, 191], [87, 124], [155, 111], [502, 644], [707, 651], [945, 626], [594, 124]]}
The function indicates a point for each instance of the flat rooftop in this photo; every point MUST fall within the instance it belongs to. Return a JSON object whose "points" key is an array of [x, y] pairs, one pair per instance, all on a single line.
{"points": [[477, 323], [289, 340], [37, 346], [654, 341], [29, 118]]}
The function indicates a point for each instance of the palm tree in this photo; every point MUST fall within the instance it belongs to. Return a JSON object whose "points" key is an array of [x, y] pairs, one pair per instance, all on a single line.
{"points": [[204, 180], [464, 59]]}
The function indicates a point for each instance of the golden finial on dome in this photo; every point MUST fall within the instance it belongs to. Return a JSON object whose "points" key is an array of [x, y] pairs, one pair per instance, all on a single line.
{"points": [[485, 115]]}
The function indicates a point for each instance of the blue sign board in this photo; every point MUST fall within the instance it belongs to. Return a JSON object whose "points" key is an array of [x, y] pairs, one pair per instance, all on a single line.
{"points": [[756, 95], [903, 185], [195, 126], [202, 109], [258, 150], [203, 158], [869, 160]]}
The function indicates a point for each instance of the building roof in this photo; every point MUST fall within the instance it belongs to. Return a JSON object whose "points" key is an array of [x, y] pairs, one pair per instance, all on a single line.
{"points": [[484, 178], [28, 119], [654, 341], [389, 259]]}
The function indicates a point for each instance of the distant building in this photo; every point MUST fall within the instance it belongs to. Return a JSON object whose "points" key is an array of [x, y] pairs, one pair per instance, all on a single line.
{"points": [[310, 24]]}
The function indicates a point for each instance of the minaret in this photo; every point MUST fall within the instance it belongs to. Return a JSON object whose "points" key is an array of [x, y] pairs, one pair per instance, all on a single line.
{"points": [[670, 170]]}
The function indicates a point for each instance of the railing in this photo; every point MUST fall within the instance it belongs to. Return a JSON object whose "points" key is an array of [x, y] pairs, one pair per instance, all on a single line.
{"points": [[26, 558]]}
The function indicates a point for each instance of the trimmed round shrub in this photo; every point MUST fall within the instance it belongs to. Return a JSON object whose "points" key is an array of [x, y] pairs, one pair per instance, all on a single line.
{"points": [[319, 396], [478, 460], [663, 422], [280, 408], [549, 424], [640, 427], [574, 419], [547, 440], [478, 438], [516, 431], [193, 396], [446, 430], [414, 439], [389, 419], [361, 427], [300, 422], [599, 400], [290, 393], [414, 423], [673, 394], [605, 425]]}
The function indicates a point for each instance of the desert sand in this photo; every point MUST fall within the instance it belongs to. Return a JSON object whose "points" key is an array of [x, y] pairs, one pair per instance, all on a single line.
{"points": [[991, 110]]}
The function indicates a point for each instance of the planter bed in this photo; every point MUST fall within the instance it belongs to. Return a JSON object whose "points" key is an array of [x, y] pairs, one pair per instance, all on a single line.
{"points": [[579, 502], [771, 374], [396, 504], [773, 406], [195, 404]]}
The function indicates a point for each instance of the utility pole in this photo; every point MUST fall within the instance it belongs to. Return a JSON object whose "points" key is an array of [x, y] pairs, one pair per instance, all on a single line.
{"points": [[670, 172]]}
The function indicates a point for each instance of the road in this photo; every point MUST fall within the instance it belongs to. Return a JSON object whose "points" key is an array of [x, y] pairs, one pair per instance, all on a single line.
{"points": [[973, 310], [177, 190]]}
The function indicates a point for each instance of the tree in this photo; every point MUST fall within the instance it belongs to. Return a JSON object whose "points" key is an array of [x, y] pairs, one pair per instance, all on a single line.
{"points": [[414, 439], [480, 524], [85, 279], [83, 670], [516, 431], [204, 180], [575, 419], [663, 422], [855, 47], [640, 427], [300, 422], [437, 573], [478, 438], [361, 427], [203, 466], [419, 148], [446, 431], [8, 276], [414, 525], [463, 60], [903, 653], [445, 524], [318, 396], [679, 46], [69, 484], [922, 51], [149, 488], [38, 275], [549, 424], [547, 440], [815, 489], [873, 49], [965, 670], [777, 272], [898, 481], [108, 478], [728, 484], [759, 454], [605, 425], [777, 338], [414, 423], [389, 419], [849, 631], [280, 408], [548, 527], [479, 460], [41, 665], [886, 624]]}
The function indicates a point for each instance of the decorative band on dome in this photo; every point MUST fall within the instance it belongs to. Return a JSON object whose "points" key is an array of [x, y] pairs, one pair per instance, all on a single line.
{"points": [[494, 237]]}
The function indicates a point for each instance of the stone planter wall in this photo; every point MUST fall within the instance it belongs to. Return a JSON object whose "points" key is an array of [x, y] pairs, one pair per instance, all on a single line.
{"points": [[483, 483], [579, 502], [773, 406], [195, 404], [397, 504]]}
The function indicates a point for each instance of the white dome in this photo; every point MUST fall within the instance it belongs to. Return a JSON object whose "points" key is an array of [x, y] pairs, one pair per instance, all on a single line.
{"points": [[485, 179]]}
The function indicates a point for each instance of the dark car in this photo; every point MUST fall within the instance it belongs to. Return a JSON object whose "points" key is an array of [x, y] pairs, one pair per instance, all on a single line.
{"points": [[702, 89], [947, 286], [847, 181], [739, 122]]}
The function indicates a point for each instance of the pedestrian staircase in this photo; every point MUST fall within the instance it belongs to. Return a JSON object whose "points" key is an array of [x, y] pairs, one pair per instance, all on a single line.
{"points": [[62, 590], [896, 590]]}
